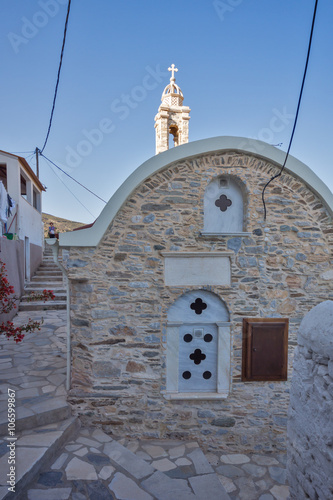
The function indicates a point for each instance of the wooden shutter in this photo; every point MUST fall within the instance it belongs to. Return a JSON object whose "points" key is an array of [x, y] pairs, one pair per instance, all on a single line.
{"points": [[265, 349]]}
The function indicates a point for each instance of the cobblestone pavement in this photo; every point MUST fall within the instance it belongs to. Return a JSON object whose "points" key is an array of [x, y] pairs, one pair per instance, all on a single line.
{"points": [[86, 463], [93, 466], [36, 367]]}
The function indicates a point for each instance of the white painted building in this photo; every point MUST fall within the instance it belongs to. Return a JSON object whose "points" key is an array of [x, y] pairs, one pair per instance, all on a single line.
{"points": [[22, 253]]}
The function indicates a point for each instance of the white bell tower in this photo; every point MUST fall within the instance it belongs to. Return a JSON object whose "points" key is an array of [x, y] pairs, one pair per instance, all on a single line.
{"points": [[172, 117]]}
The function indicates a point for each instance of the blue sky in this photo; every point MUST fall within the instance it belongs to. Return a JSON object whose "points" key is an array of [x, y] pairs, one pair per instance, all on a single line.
{"points": [[240, 68]]}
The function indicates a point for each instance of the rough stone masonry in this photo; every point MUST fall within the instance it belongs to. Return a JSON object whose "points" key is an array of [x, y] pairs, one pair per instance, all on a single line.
{"points": [[119, 300]]}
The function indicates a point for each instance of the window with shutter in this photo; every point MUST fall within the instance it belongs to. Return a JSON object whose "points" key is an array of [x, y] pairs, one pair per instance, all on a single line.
{"points": [[265, 349]]}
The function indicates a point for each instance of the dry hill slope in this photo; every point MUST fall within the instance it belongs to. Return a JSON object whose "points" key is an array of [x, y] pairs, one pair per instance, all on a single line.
{"points": [[61, 225]]}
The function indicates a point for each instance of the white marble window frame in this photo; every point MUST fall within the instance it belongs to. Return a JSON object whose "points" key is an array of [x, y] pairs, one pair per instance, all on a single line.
{"points": [[232, 220], [223, 364]]}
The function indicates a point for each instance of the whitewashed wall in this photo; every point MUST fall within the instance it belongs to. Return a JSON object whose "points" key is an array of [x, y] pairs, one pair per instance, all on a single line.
{"points": [[29, 219], [25, 221], [310, 425]]}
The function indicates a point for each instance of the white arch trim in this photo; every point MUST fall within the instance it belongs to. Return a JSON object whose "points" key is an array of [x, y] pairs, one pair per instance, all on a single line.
{"points": [[90, 237]]}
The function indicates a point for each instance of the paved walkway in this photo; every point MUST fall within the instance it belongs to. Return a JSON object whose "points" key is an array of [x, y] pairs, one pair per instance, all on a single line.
{"points": [[55, 459], [34, 368]]}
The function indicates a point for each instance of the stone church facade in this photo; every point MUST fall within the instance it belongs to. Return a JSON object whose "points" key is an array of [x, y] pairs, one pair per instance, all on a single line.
{"points": [[185, 301]]}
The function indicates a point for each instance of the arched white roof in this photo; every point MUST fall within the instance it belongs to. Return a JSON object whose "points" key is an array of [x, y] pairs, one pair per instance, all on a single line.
{"points": [[91, 236]]}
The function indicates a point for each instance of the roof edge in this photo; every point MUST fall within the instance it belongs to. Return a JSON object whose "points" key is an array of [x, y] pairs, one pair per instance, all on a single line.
{"points": [[27, 168], [90, 237]]}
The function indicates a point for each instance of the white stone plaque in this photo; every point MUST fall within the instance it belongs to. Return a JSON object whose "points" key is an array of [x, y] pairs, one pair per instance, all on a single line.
{"points": [[197, 269]]}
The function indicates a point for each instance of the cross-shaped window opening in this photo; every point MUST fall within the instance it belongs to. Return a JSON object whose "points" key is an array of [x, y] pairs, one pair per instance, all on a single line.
{"points": [[197, 356], [198, 306], [223, 202]]}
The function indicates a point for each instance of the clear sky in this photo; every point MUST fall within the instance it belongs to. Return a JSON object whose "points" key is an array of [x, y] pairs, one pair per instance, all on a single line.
{"points": [[240, 69]]}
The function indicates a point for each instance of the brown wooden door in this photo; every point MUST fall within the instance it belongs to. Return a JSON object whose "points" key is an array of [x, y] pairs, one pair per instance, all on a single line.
{"points": [[265, 349]]}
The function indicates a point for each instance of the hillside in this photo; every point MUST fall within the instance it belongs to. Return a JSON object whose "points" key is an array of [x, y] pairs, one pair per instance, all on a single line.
{"points": [[61, 225]]}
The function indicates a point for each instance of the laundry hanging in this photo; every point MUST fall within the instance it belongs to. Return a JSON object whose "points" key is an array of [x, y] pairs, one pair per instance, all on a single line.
{"points": [[10, 205], [3, 203]]}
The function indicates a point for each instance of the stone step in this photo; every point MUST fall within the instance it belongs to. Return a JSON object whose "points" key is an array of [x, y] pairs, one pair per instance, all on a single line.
{"points": [[49, 285], [42, 306], [48, 269], [55, 289], [45, 278], [41, 271], [51, 271], [58, 297], [49, 262], [41, 410], [34, 448], [48, 272], [45, 284]]}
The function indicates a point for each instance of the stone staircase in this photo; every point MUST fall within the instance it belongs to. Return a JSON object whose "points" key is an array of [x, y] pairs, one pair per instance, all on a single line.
{"points": [[34, 449], [36, 371], [49, 277]]}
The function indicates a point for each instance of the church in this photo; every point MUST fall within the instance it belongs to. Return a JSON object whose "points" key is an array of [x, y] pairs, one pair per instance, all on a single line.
{"points": [[185, 300]]}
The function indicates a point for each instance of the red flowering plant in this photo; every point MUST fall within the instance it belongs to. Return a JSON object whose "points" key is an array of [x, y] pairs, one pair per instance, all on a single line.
{"points": [[44, 296], [8, 302]]}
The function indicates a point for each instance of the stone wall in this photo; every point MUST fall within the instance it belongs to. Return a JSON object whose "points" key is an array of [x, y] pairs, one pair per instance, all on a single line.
{"points": [[310, 425], [119, 301]]}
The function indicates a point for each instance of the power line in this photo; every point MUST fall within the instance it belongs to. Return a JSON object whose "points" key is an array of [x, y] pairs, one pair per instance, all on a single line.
{"points": [[58, 76], [79, 183], [30, 157], [77, 199], [297, 111], [21, 152]]}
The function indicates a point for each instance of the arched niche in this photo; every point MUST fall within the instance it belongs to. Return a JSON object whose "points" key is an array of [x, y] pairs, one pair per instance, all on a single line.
{"points": [[174, 133], [224, 206], [198, 347]]}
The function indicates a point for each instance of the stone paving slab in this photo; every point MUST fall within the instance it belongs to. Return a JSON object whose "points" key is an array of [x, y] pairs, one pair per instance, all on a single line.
{"points": [[125, 488], [164, 488], [208, 483], [3, 492], [128, 460], [200, 462]]}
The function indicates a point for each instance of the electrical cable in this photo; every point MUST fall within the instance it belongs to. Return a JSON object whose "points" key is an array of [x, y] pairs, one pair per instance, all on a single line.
{"points": [[58, 76], [79, 183], [30, 157], [21, 152], [297, 110], [69, 189]]}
